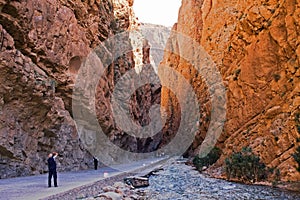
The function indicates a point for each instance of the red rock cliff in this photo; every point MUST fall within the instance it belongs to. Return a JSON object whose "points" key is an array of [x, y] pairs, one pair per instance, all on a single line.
{"points": [[42, 46], [255, 45]]}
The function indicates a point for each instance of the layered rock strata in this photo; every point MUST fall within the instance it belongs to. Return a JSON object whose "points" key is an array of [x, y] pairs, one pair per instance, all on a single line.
{"points": [[255, 46], [43, 45]]}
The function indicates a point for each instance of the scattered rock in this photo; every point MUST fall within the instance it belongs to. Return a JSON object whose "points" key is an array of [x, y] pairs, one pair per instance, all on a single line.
{"points": [[179, 181], [111, 196], [137, 182]]}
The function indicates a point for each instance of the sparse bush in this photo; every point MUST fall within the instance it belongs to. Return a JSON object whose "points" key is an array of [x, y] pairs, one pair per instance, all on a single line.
{"points": [[297, 120], [276, 77], [276, 177], [208, 160], [296, 156], [245, 166], [237, 72]]}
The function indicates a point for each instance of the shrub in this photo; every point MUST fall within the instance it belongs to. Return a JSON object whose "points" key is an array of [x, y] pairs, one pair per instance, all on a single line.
{"points": [[297, 118], [296, 156], [276, 77], [208, 160], [276, 177], [246, 166]]}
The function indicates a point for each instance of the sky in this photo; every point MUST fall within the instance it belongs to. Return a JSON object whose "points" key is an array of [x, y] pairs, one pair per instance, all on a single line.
{"points": [[163, 12]]}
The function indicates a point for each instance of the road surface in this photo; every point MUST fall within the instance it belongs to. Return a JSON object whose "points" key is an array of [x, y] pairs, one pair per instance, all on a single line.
{"points": [[36, 187]]}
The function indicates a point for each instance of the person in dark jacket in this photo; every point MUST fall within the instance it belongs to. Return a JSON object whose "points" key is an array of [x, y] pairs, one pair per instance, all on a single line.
{"points": [[52, 169], [95, 163]]}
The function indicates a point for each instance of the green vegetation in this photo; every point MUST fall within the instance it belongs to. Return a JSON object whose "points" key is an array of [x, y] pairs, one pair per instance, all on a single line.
{"points": [[296, 156], [246, 166], [277, 175], [208, 160]]}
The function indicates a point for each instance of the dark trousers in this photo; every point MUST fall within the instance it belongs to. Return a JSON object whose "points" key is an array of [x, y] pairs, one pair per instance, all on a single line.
{"points": [[95, 164], [54, 174]]}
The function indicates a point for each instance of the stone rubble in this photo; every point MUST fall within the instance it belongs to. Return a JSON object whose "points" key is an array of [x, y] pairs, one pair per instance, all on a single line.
{"points": [[180, 181]]}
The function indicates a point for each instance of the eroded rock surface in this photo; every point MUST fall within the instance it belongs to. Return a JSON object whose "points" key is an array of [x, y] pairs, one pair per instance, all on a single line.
{"points": [[255, 46], [43, 45]]}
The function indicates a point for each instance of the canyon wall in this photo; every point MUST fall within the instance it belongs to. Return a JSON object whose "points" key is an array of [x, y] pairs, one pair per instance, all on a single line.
{"points": [[42, 46], [255, 46], [157, 36]]}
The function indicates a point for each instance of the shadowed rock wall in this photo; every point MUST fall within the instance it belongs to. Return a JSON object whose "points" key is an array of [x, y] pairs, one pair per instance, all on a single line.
{"points": [[42, 46]]}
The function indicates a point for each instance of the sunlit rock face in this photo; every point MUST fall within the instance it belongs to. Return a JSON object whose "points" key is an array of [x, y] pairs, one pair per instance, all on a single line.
{"points": [[255, 46], [43, 45]]}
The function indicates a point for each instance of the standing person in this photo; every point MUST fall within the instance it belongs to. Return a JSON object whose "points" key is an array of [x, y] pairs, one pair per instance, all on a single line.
{"points": [[95, 163], [52, 169]]}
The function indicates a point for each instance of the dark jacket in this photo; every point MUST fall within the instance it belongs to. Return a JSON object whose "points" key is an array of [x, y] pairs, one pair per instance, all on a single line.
{"points": [[51, 164]]}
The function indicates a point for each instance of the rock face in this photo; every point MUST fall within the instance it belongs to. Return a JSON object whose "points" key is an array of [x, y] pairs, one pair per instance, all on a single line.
{"points": [[157, 36], [255, 46], [42, 47]]}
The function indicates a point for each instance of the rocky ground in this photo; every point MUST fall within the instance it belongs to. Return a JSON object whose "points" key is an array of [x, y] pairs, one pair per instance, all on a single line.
{"points": [[179, 181]]}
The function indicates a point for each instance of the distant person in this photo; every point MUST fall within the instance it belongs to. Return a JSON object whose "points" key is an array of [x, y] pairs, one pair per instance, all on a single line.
{"points": [[52, 169], [95, 163]]}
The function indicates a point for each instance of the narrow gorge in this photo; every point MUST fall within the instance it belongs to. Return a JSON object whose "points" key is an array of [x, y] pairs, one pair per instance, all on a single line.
{"points": [[43, 45], [242, 56]]}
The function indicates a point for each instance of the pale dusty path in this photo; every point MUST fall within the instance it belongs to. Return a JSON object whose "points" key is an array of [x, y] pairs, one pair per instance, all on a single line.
{"points": [[35, 187]]}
